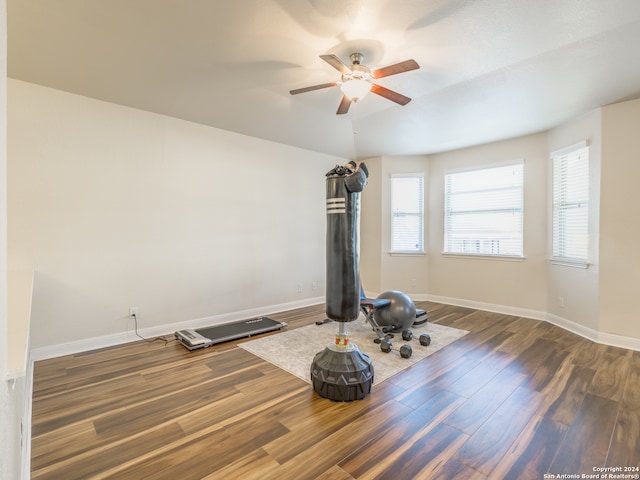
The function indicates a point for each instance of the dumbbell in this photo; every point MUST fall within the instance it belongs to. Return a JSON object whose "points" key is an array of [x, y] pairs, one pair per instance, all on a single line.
{"points": [[405, 350]]}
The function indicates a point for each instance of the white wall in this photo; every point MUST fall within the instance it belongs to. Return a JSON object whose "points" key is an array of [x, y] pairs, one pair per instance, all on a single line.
{"points": [[600, 302], [3, 190], [371, 230], [506, 283], [116, 207], [14, 386], [620, 228], [407, 273], [380, 269], [517, 286]]}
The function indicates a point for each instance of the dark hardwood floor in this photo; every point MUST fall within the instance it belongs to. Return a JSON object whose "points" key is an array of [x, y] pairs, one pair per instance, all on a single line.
{"points": [[514, 399]]}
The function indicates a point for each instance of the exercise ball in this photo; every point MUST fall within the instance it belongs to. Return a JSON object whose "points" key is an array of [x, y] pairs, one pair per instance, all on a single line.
{"points": [[399, 315]]}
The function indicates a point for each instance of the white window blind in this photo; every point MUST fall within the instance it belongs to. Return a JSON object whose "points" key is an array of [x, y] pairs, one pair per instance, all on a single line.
{"points": [[407, 213], [570, 231], [484, 211]]}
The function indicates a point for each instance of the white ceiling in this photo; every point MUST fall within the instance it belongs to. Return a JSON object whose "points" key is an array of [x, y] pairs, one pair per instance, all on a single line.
{"points": [[490, 69]]}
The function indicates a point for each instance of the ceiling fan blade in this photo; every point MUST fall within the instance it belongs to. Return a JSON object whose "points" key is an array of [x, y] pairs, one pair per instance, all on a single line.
{"points": [[312, 88], [336, 63], [390, 94], [345, 103], [401, 67]]}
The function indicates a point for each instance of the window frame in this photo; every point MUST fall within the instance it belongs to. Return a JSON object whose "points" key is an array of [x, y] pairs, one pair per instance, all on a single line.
{"points": [[420, 214], [447, 213], [557, 256]]}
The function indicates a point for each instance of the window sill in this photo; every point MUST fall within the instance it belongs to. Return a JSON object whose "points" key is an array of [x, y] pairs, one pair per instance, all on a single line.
{"points": [[569, 263], [504, 258], [407, 254]]}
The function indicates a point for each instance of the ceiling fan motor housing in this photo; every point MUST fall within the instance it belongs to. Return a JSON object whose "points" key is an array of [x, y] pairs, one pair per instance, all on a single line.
{"points": [[358, 72]]}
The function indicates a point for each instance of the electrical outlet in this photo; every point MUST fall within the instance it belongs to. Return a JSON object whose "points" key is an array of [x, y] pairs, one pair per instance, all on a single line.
{"points": [[561, 302], [414, 282], [314, 285], [133, 311], [300, 288]]}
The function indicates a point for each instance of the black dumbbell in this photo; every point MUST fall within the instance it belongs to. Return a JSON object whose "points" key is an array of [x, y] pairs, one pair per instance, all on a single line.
{"points": [[406, 351], [425, 340], [385, 345]]}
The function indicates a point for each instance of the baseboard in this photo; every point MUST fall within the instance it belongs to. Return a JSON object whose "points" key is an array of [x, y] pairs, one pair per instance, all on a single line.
{"points": [[594, 335], [619, 341], [70, 348], [104, 341], [569, 325], [487, 307]]}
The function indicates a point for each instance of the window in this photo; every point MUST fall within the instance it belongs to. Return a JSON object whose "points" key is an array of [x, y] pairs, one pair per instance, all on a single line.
{"points": [[484, 212], [407, 213], [570, 229]]}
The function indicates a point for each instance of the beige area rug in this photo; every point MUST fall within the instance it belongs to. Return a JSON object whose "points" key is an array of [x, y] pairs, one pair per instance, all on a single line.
{"points": [[293, 350]]}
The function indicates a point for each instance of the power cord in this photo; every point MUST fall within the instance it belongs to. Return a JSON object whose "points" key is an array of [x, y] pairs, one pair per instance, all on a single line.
{"points": [[150, 340]]}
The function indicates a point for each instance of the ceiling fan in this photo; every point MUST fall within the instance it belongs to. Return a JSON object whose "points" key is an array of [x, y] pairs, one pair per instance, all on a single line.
{"points": [[358, 80]]}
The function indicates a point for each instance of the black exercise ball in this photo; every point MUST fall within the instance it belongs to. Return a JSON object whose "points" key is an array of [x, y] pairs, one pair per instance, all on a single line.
{"points": [[399, 315]]}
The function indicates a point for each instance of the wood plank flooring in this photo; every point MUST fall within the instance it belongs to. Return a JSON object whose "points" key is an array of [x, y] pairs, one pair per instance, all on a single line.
{"points": [[514, 399]]}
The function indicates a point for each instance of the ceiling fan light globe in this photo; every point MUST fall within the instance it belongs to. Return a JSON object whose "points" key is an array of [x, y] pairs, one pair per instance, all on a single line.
{"points": [[356, 89]]}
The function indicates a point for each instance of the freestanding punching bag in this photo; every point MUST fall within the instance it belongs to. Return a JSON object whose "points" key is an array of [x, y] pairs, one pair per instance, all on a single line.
{"points": [[343, 249], [341, 372]]}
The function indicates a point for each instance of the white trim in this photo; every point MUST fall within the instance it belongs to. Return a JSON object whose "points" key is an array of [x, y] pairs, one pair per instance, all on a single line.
{"points": [[486, 166], [450, 232], [117, 339], [573, 327], [487, 307], [619, 341], [569, 263], [594, 335], [485, 256], [569, 325], [406, 175], [26, 422], [421, 215], [558, 180], [563, 151], [95, 343], [400, 253]]}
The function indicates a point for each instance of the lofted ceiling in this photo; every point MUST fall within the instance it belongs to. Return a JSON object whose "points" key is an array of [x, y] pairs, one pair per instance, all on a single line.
{"points": [[490, 69]]}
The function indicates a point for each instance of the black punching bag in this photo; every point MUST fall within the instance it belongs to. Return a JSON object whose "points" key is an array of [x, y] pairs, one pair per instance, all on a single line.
{"points": [[341, 372], [344, 185]]}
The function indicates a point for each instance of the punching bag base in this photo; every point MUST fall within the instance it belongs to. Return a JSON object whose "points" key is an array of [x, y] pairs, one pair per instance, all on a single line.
{"points": [[342, 376]]}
